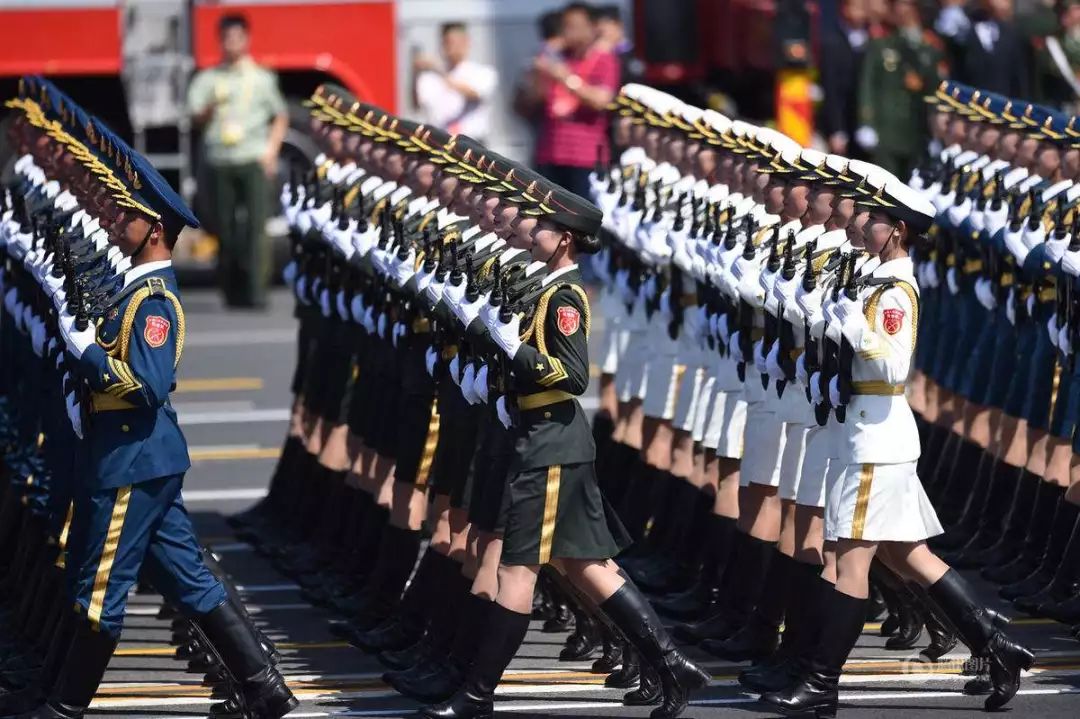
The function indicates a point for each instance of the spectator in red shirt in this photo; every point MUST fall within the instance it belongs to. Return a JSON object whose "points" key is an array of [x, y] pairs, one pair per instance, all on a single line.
{"points": [[570, 91]]}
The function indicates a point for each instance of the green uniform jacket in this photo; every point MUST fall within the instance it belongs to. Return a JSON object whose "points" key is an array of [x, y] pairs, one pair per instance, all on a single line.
{"points": [[896, 74]]}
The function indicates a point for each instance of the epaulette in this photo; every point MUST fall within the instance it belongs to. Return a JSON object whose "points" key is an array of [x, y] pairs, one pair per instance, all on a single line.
{"points": [[157, 287]]}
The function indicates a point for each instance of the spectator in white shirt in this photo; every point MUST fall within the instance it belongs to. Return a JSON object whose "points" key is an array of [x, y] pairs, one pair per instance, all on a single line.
{"points": [[455, 94]]}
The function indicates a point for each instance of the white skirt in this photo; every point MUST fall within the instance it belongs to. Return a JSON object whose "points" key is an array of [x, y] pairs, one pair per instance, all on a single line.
{"points": [[703, 406], [811, 490], [614, 346], [880, 503], [687, 397], [791, 461], [663, 380], [764, 441], [726, 426], [630, 373]]}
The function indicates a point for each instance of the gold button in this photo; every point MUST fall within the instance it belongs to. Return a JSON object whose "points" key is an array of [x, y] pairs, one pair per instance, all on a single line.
{"points": [[547, 415], [124, 428]]}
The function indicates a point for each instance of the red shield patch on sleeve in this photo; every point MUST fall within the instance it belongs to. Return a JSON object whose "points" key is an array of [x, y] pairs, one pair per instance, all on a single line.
{"points": [[569, 319], [894, 320], [157, 330]]}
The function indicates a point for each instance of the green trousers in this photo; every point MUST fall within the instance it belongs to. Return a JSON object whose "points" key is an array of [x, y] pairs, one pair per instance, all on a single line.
{"points": [[240, 202]]}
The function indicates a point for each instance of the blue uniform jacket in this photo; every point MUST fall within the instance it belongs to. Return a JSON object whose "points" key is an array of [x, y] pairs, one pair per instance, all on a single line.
{"points": [[134, 435]]}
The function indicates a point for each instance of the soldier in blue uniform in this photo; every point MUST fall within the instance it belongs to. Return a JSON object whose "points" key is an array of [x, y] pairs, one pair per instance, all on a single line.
{"points": [[127, 515]]}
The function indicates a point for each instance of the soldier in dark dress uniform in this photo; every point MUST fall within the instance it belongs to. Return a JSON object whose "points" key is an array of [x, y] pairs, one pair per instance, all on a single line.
{"points": [[554, 512]]}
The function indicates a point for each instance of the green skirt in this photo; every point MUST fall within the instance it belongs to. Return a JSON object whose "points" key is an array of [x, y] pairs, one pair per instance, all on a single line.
{"points": [[558, 512]]}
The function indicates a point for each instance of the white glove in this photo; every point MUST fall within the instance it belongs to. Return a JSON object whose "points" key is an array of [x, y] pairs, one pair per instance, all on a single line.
{"points": [[1053, 330], [468, 379], [800, 370], [397, 332], [866, 137], [403, 270], [480, 384], [845, 307], [423, 280], [455, 364], [1055, 249], [380, 325], [1064, 341], [289, 273], [357, 308], [834, 391], [959, 213], [505, 334], [759, 357], [984, 292], [932, 274], [772, 362], [301, 289], [1031, 305], [453, 295], [435, 291], [1070, 263], [954, 284], [943, 202], [342, 308], [430, 357], [815, 389], [37, 337], [74, 416], [1014, 242], [995, 220], [735, 348], [810, 302], [723, 331], [369, 320], [324, 302], [52, 284], [77, 341], [469, 311], [501, 411], [1010, 307]]}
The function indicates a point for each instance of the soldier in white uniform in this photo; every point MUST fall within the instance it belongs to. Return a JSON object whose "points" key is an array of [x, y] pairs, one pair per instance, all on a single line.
{"points": [[879, 501]]}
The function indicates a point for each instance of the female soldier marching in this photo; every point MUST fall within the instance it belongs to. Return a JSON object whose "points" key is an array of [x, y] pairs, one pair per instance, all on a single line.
{"points": [[553, 510]]}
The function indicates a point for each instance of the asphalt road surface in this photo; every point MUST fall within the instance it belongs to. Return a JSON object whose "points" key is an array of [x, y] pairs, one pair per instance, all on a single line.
{"points": [[233, 403]]}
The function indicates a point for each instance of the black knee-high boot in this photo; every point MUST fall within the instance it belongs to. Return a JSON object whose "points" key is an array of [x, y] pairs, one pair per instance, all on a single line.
{"points": [[1035, 527], [635, 618], [261, 688], [759, 635], [79, 676], [995, 505], [977, 629], [801, 626], [743, 581], [691, 603], [1028, 594], [1011, 540], [505, 631], [816, 690]]}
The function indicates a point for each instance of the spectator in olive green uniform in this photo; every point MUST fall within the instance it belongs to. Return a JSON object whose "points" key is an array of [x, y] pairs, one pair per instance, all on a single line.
{"points": [[1055, 34], [897, 71], [242, 114]]}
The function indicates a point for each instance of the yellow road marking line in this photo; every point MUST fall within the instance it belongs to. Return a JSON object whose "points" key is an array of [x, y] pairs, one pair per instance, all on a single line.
{"points": [[219, 384], [233, 453]]}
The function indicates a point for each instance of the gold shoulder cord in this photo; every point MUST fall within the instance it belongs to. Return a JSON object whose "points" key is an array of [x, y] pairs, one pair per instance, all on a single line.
{"points": [[539, 320], [124, 351], [870, 310]]}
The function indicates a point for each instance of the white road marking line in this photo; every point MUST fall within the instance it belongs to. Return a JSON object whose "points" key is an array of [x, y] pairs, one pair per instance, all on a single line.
{"points": [[235, 338], [231, 548], [277, 414], [222, 495], [256, 588]]}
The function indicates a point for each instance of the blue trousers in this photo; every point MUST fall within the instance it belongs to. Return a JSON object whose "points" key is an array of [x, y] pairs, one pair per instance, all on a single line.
{"points": [[115, 533]]}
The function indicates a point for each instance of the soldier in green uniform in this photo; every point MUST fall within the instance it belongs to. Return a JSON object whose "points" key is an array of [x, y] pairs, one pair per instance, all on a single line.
{"points": [[896, 72], [554, 512]]}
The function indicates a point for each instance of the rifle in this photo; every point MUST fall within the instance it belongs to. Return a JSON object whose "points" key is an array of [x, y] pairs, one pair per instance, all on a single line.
{"points": [[679, 221], [847, 352], [1035, 215], [809, 284], [772, 265], [830, 363], [1069, 293], [787, 332]]}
